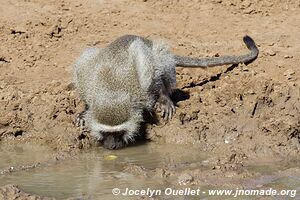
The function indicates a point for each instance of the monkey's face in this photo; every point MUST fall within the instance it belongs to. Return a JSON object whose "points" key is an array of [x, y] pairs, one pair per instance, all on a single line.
{"points": [[113, 140]]}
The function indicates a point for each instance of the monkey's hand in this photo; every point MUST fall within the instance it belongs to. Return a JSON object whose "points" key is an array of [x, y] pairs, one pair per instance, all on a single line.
{"points": [[80, 119], [165, 106]]}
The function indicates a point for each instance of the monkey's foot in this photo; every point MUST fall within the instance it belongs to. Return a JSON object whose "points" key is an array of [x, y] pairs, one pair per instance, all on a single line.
{"points": [[165, 106], [80, 119]]}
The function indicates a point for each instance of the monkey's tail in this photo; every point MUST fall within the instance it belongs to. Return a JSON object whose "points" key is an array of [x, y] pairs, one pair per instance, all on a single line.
{"points": [[223, 60]]}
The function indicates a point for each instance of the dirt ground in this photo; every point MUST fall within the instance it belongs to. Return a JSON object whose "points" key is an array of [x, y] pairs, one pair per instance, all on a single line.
{"points": [[236, 114]]}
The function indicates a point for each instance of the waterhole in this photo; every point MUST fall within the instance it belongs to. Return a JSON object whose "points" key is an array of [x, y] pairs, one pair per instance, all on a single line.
{"points": [[93, 174]]}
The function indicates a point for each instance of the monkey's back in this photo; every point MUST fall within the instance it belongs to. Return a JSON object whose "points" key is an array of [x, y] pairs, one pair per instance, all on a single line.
{"points": [[116, 89], [116, 70], [110, 81], [83, 70]]}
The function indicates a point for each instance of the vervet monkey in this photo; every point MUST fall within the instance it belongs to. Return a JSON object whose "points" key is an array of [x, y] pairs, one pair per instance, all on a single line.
{"points": [[129, 76]]}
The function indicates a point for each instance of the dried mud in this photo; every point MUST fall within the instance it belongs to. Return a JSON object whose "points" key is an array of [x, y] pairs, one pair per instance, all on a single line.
{"points": [[238, 115]]}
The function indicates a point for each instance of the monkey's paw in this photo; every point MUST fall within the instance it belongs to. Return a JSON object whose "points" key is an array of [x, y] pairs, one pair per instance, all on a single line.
{"points": [[166, 107], [80, 119]]}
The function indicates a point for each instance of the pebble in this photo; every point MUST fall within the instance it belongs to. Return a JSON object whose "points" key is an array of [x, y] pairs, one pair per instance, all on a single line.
{"points": [[288, 56], [289, 73], [216, 167], [245, 68], [185, 178], [18, 29], [271, 53], [230, 174]]}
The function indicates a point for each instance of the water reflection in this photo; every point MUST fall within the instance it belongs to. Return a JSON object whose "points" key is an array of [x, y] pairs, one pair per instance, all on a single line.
{"points": [[90, 174]]}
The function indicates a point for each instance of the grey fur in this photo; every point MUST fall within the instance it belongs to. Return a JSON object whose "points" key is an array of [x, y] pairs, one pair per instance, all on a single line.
{"points": [[131, 75], [224, 60]]}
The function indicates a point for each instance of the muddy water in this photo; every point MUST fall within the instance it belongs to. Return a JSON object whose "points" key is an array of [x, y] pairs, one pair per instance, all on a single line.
{"points": [[91, 174], [22, 155]]}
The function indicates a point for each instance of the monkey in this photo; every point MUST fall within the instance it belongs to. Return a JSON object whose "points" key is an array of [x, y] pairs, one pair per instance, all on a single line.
{"points": [[130, 75]]}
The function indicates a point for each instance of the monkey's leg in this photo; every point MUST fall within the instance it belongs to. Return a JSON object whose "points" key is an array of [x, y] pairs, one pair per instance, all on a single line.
{"points": [[165, 105]]}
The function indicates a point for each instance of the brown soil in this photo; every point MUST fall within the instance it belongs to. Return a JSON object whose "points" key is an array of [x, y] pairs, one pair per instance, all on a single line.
{"points": [[237, 114], [13, 192]]}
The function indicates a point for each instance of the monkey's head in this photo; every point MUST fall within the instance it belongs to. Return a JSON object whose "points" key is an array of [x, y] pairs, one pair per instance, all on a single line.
{"points": [[115, 126], [114, 118]]}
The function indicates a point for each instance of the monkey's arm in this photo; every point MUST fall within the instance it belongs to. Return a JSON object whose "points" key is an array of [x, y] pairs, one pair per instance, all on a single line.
{"points": [[210, 62]]}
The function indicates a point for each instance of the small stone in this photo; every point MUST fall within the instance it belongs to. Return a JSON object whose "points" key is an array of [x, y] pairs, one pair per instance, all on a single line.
{"points": [[18, 30], [205, 161], [271, 53], [230, 174], [245, 68], [185, 178], [289, 74], [216, 167], [251, 91], [288, 56]]}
